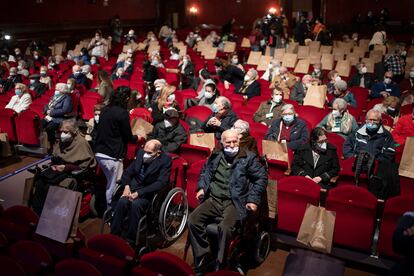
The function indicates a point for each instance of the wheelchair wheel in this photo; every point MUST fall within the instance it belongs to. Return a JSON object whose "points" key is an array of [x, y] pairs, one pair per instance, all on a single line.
{"points": [[262, 247], [173, 214]]}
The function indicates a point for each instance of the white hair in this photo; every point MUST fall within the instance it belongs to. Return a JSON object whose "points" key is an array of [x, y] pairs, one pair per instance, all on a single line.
{"points": [[62, 87], [342, 104], [242, 125], [377, 113], [288, 106], [225, 102], [229, 132]]}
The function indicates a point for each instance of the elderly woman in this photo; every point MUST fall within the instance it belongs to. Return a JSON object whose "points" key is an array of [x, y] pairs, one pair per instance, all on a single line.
{"points": [[21, 101], [289, 128], [86, 70], [72, 153], [339, 121], [251, 87], [341, 91], [44, 78], [59, 106], [389, 106], [270, 110], [246, 142], [317, 160]]}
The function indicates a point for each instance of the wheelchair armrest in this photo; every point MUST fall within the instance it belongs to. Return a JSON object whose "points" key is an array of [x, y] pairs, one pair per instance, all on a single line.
{"points": [[78, 172]]}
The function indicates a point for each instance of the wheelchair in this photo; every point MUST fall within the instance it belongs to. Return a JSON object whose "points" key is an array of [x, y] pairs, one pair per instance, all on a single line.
{"points": [[163, 223]]}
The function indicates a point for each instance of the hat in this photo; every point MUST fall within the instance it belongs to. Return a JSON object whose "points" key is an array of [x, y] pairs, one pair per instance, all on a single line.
{"points": [[171, 113], [34, 76]]}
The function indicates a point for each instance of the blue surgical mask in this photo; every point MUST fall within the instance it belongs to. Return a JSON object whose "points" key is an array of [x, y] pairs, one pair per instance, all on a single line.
{"points": [[372, 127], [288, 118], [57, 93], [215, 108], [18, 92]]}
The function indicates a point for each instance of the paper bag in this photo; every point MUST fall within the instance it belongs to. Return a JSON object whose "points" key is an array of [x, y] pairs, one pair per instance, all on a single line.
{"points": [[353, 58], [211, 53], [279, 53], [229, 47], [275, 150], [60, 215], [206, 140], [316, 230], [407, 161], [303, 52], [289, 60], [380, 48], [315, 96], [358, 51], [364, 43], [264, 63], [370, 64], [315, 58], [271, 191], [327, 61], [343, 67], [326, 49], [302, 66], [200, 46], [5, 145], [292, 48], [254, 58], [28, 187], [245, 43], [376, 56], [141, 127], [314, 46]]}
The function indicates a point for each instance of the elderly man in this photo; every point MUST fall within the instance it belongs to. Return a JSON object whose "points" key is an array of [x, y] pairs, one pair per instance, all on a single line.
{"points": [[285, 81], [385, 88], [361, 78], [222, 118], [231, 184], [395, 63], [299, 90], [270, 110], [78, 76], [250, 87], [147, 175], [246, 141], [341, 91]]}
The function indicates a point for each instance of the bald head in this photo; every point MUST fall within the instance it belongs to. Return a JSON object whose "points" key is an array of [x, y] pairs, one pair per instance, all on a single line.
{"points": [[76, 68], [152, 146]]}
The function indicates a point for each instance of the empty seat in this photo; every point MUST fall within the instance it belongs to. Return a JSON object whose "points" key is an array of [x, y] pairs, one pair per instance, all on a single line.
{"points": [[28, 128], [193, 175], [193, 153], [311, 114], [165, 263], [7, 117], [18, 223], [10, 267], [75, 267]]}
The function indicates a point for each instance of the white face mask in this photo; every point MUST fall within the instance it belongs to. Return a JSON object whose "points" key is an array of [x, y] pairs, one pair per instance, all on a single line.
{"points": [[231, 152], [158, 89], [317, 70], [19, 67], [167, 123], [412, 74], [246, 78], [387, 80], [208, 95], [270, 66], [139, 96], [171, 98], [323, 145], [65, 137], [338, 78], [364, 70], [277, 98], [235, 61], [147, 158], [96, 118], [336, 113]]}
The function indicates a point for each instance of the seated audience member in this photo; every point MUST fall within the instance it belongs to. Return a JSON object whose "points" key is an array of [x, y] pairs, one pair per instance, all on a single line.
{"points": [[36, 60], [385, 88], [361, 78], [165, 33], [98, 46], [333, 77], [390, 106], [148, 174], [251, 87], [71, 83], [403, 129], [18, 55], [44, 78], [126, 64], [174, 53], [285, 81], [186, 69], [191, 39], [339, 121], [203, 79], [210, 95], [119, 74], [59, 106], [92, 125], [246, 141], [12, 80], [229, 74], [231, 185], [165, 101], [105, 86], [317, 160], [150, 72], [72, 153], [156, 61], [159, 84], [407, 85], [36, 86], [270, 110], [341, 91], [84, 57], [222, 118], [130, 38], [212, 39], [22, 68], [21, 101], [135, 101], [94, 61], [86, 70], [403, 244], [234, 60], [317, 73], [289, 128], [78, 76], [299, 90], [169, 132], [272, 71], [394, 62]]}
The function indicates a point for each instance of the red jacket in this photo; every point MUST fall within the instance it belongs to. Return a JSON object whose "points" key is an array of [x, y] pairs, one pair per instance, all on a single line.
{"points": [[403, 129]]}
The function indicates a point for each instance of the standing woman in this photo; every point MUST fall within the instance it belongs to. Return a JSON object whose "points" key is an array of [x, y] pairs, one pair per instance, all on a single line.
{"points": [[105, 86]]}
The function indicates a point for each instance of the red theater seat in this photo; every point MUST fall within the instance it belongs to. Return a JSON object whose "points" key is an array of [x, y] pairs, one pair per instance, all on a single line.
{"points": [[28, 128], [7, 117], [165, 263], [141, 113], [18, 222], [311, 114], [10, 267], [193, 174], [193, 154], [76, 267]]}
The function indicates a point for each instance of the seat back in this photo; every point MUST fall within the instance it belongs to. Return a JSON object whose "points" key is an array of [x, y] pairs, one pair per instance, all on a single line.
{"points": [[140, 112], [75, 267], [193, 175], [165, 264], [311, 114], [8, 266], [355, 209], [31, 256], [336, 140], [193, 153], [294, 194], [199, 112], [7, 124], [28, 128]]}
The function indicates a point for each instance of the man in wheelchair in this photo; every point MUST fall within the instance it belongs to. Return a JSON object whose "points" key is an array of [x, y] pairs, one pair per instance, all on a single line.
{"points": [[231, 185], [70, 155], [148, 174]]}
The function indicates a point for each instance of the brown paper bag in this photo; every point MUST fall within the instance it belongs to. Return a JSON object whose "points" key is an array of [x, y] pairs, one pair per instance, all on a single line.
{"points": [[44, 142], [316, 96], [315, 58], [211, 53], [370, 64], [376, 56], [289, 60], [359, 51], [314, 46], [229, 47], [353, 58], [200, 46], [327, 61], [292, 48], [338, 53], [141, 127], [59, 218], [5, 145], [303, 52], [275, 150], [245, 43], [326, 49], [302, 66], [343, 67], [206, 140], [316, 230], [380, 48], [254, 58], [279, 53], [364, 43], [263, 63], [407, 161], [271, 191]]}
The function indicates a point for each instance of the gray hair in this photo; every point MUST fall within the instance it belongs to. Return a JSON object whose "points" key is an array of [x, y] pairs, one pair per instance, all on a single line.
{"points": [[377, 113], [342, 104], [243, 125], [254, 73], [229, 132], [72, 125], [341, 85], [286, 107], [62, 87], [225, 102]]}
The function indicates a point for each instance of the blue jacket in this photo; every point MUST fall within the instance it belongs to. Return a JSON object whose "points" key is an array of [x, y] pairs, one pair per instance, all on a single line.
{"points": [[80, 79], [391, 88], [247, 182], [62, 107], [298, 135]]}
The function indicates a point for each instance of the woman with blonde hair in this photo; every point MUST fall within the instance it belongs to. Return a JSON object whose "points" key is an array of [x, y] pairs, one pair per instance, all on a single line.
{"points": [[44, 78], [164, 102]]}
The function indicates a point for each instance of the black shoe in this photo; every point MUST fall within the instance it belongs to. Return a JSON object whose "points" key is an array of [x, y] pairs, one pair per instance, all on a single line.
{"points": [[207, 264]]}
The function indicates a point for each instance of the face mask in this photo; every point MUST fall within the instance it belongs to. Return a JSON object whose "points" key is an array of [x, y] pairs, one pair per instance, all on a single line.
{"points": [[12, 74], [231, 152], [372, 127], [147, 158], [235, 61], [18, 92], [139, 96], [317, 70], [167, 123], [19, 67], [270, 66], [363, 70], [277, 98], [93, 61], [308, 85], [387, 80], [322, 146], [43, 73], [65, 137], [336, 113], [32, 81], [208, 95], [96, 118], [36, 56], [57, 93], [412, 74], [154, 62], [215, 108], [246, 78], [158, 89], [76, 74], [338, 78], [69, 86], [288, 118], [171, 98]]}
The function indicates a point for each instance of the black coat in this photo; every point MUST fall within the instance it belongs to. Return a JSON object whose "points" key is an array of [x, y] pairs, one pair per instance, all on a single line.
{"points": [[326, 168], [356, 80], [227, 122], [171, 138], [157, 174], [298, 92], [233, 75], [187, 78], [254, 89], [298, 135], [247, 182]]}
